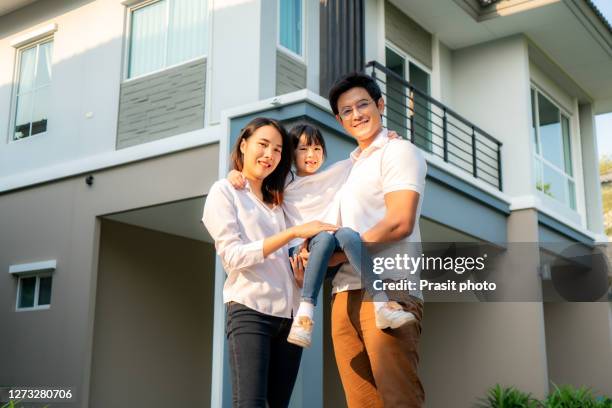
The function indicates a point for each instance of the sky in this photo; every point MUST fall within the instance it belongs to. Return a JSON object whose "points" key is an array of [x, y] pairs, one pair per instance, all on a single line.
{"points": [[604, 122]]}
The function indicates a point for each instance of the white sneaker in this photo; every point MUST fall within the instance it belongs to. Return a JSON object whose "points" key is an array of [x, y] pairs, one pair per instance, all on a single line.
{"points": [[301, 331], [393, 316]]}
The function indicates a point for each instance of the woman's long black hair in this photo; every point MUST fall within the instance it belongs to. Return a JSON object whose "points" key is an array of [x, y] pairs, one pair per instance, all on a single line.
{"points": [[273, 186]]}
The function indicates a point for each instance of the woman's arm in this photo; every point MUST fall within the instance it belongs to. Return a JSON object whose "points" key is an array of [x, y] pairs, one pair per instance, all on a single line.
{"points": [[221, 220], [310, 229]]}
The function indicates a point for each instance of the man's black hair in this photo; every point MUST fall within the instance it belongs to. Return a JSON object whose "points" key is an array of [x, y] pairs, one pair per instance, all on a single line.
{"points": [[350, 81]]}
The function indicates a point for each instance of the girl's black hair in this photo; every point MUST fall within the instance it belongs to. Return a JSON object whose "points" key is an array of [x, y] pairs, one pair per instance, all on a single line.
{"points": [[312, 134], [273, 186]]}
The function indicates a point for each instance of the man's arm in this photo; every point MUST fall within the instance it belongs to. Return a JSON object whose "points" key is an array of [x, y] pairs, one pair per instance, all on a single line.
{"points": [[399, 218]]}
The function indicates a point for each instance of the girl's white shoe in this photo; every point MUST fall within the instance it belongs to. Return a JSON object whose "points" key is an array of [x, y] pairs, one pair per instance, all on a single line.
{"points": [[393, 316], [301, 331]]}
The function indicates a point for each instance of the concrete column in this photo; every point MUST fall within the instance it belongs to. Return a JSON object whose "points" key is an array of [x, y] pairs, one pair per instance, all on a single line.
{"points": [[590, 163], [579, 344], [466, 348]]}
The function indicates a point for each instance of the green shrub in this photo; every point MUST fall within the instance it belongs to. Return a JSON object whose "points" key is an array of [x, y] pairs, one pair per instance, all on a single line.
{"points": [[569, 397], [510, 397], [562, 397]]}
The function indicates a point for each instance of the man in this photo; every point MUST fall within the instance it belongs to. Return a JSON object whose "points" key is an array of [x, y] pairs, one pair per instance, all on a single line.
{"points": [[381, 200]]}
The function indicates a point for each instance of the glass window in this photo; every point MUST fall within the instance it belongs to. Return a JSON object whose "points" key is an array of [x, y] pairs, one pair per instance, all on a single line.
{"points": [[553, 160], [165, 33], [290, 25], [44, 291], [32, 99], [27, 292], [397, 96], [34, 291], [408, 113]]}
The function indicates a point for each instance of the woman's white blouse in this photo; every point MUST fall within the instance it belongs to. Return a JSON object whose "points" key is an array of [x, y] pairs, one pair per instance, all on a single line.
{"points": [[239, 222]]}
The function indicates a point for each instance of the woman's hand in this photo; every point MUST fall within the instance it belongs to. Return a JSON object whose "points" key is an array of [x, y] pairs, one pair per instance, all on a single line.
{"points": [[310, 229], [236, 179], [298, 269]]}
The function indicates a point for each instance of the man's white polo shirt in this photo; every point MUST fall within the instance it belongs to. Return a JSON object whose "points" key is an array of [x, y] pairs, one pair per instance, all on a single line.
{"points": [[385, 166]]}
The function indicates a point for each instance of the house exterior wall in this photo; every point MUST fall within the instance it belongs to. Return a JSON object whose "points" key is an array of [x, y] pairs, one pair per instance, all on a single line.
{"points": [[490, 87], [87, 55], [590, 169], [153, 319], [59, 221]]}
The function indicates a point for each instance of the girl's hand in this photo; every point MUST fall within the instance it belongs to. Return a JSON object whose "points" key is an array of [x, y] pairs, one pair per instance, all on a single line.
{"points": [[392, 134], [337, 258], [310, 229], [298, 269], [236, 179]]}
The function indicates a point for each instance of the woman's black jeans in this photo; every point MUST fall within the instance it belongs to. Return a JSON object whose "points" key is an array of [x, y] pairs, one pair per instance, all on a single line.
{"points": [[264, 365]]}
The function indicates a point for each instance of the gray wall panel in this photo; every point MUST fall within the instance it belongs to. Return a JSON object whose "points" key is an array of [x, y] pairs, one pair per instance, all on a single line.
{"points": [[404, 32], [290, 74], [165, 104], [60, 220]]}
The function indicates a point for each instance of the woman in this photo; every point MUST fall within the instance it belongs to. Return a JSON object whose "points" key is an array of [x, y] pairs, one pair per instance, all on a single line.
{"points": [[261, 294]]}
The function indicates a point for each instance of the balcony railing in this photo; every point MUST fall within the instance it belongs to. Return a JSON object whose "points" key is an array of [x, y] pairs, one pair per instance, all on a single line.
{"points": [[437, 129]]}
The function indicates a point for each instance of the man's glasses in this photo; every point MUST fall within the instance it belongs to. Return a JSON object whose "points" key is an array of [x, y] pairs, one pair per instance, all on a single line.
{"points": [[361, 106]]}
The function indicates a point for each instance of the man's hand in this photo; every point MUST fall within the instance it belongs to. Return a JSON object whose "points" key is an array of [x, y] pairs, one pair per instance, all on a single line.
{"points": [[236, 179], [298, 269], [392, 134]]}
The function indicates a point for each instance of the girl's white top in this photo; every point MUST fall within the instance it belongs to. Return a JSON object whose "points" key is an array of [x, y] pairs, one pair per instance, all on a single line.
{"points": [[315, 197], [239, 222]]}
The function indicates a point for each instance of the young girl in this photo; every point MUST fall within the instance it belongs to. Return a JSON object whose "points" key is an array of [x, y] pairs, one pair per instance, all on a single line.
{"points": [[248, 227], [310, 195]]}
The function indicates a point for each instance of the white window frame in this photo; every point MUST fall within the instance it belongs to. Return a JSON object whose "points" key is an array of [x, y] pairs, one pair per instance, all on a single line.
{"points": [[36, 306], [287, 51], [131, 7], [16, 78], [408, 59], [539, 156]]}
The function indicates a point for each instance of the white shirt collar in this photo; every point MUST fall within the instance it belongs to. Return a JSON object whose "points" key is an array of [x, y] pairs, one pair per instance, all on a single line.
{"points": [[380, 140]]}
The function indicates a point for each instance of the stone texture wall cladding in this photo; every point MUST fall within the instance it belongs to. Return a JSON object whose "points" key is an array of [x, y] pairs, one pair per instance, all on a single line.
{"points": [[405, 33], [163, 104], [290, 74]]}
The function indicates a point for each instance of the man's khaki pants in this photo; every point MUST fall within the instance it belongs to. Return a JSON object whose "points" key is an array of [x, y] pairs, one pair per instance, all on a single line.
{"points": [[378, 368]]}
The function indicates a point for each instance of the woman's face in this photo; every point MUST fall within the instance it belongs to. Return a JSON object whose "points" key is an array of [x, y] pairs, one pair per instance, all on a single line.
{"points": [[261, 152], [308, 158]]}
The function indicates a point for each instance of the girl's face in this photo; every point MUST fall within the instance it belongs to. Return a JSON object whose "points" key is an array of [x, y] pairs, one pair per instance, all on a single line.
{"points": [[261, 152], [308, 158]]}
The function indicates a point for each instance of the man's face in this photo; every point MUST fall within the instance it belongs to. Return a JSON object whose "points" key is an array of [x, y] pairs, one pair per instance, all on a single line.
{"points": [[360, 115]]}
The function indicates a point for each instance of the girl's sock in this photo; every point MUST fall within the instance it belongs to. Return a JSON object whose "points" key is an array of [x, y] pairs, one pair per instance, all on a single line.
{"points": [[305, 309], [380, 299], [378, 305]]}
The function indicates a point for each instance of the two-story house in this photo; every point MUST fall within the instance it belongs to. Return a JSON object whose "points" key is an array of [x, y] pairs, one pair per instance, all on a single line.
{"points": [[117, 116]]}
